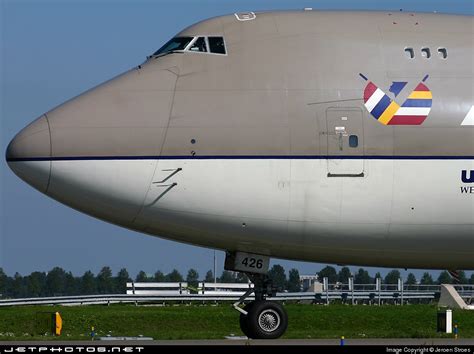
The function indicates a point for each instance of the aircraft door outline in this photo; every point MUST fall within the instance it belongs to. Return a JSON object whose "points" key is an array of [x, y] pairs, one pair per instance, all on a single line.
{"points": [[345, 142]]}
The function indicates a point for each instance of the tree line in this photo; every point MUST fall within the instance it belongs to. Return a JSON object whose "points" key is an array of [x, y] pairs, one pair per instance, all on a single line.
{"points": [[58, 282], [362, 276]]}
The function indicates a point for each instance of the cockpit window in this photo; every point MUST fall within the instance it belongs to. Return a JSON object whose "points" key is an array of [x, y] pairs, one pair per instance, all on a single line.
{"points": [[216, 45], [211, 44], [199, 45], [177, 43]]}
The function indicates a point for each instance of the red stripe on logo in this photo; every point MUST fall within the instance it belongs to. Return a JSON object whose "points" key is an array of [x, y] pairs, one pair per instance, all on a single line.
{"points": [[369, 90], [421, 87], [407, 120]]}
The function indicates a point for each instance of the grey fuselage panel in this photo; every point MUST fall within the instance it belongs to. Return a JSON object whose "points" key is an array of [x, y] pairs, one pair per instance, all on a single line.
{"points": [[270, 94]]}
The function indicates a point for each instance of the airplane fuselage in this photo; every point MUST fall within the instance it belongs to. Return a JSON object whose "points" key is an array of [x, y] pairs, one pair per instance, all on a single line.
{"points": [[339, 137]]}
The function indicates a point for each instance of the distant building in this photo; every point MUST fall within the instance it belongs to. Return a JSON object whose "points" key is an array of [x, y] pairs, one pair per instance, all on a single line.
{"points": [[307, 281]]}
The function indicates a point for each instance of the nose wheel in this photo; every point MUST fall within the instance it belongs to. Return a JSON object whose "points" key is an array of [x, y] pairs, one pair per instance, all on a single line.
{"points": [[261, 319], [264, 320]]}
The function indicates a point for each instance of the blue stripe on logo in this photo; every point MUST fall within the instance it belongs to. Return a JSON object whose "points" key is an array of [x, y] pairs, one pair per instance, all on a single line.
{"points": [[381, 106], [417, 103]]}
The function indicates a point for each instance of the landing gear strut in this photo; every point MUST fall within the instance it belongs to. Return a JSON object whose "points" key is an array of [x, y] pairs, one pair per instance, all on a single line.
{"points": [[261, 319]]}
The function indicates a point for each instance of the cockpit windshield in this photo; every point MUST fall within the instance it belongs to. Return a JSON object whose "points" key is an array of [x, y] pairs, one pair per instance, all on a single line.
{"points": [[177, 43], [198, 44]]}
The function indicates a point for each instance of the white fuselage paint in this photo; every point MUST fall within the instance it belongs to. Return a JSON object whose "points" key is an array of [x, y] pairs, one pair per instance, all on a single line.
{"points": [[404, 213], [469, 119]]}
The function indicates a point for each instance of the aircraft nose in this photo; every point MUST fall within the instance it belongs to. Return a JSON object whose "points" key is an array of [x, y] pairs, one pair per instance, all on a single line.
{"points": [[29, 153]]}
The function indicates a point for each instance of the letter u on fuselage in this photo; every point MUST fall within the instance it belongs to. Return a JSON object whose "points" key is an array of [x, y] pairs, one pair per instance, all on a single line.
{"points": [[465, 178]]}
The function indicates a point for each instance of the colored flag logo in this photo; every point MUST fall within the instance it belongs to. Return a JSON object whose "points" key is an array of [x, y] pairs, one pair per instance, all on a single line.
{"points": [[413, 111]]}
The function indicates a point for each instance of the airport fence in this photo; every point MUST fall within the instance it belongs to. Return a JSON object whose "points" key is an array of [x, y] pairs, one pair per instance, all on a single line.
{"points": [[379, 293], [324, 293], [183, 288]]}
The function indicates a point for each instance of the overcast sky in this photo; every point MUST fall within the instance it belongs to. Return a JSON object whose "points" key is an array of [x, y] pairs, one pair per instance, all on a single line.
{"points": [[54, 50]]}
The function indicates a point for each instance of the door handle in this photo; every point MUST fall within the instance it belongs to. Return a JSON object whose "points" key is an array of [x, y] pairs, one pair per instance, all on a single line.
{"points": [[346, 174]]}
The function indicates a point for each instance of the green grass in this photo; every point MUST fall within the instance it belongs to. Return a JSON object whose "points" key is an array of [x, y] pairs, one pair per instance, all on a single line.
{"points": [[216, 322]]}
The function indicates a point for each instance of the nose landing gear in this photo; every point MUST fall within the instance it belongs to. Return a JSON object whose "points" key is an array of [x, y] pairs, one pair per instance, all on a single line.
{"points": [[261, 319]]}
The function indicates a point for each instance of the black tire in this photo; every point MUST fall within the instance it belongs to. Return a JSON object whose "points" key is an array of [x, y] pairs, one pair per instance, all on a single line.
{"points": [[244, 319], [266, 320]]}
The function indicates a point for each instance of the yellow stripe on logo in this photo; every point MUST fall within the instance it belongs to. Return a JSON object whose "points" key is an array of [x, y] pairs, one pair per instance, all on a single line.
{"points": [[389, 112], [421, 94]]}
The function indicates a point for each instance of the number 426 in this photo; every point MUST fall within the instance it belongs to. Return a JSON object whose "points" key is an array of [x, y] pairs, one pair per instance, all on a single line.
{"points": [[252, 262]]}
